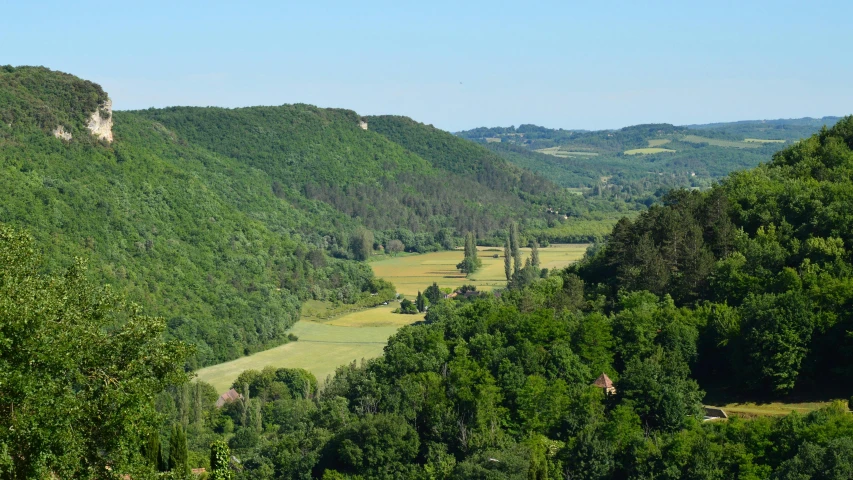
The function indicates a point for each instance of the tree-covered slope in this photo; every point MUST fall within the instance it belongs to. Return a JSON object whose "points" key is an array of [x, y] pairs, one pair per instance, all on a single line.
{"points": [[381, 179], [770, 249], [191, 235], [452, 154], [224, 220]]}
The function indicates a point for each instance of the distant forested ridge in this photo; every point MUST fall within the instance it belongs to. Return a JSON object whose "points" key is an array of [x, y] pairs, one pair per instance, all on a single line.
{"points": [[641, 162]]}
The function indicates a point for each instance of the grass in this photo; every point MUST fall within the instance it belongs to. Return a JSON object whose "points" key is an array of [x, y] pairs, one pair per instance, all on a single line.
{"points": [[559, 152], [749, 409], [762, 140], [648, 151], [719, 143], [381, 316], [318, 311], [414, 273], [658, 142], [321, 349]]}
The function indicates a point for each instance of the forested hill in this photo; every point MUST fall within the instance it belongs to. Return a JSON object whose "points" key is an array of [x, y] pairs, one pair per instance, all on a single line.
{"points": [[224, 220], [455, 155], [379, 176], [768, 252], [638, 161]]}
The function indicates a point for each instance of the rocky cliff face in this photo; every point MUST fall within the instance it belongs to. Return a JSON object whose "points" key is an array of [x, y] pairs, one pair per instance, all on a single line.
{"points": [[59, 132], [101, 122]]}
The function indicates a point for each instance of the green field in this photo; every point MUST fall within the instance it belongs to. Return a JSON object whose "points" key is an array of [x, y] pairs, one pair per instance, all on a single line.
{"points": [[559, 152], [762, 140], [658, 142], [330, 336], [648, 151], [413, 273], [719, 143], [577, 191], [321, 348], [772, 409]]}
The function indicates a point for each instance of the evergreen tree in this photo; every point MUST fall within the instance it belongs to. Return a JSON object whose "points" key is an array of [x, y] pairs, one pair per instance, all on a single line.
{"points": [[178, 453], [514, 245], [420, 302], [507, 261], [152, 452], [534, 253], [473, 248], [470, 263], [244, 406]]}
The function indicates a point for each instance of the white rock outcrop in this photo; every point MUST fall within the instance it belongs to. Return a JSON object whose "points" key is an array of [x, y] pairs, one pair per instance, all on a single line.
{"points": [[59, 132], [101, 122]]}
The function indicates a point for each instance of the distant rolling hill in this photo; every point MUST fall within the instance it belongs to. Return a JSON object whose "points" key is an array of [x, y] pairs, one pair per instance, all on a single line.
{"points": [[637, 161]]}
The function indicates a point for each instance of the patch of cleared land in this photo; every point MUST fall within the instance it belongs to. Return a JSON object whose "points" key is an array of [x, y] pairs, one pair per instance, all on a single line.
{"points": [[749, 409], [719, 143], [413, 273], [382, 316], [559, 152], [330, 336], [648, 151], [762, 140], [658, 142]]}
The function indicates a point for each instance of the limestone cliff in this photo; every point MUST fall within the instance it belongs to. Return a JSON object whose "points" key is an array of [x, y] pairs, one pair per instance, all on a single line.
{"points": [[59, 132], [101, 121]]}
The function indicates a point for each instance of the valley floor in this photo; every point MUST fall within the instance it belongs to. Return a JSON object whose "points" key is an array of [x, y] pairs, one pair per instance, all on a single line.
{"points": [[328, 340], [413, 273]]}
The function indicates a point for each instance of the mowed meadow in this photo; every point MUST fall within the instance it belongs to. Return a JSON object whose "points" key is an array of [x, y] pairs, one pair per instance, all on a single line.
{"points": [[329, 340], [413, 273]]}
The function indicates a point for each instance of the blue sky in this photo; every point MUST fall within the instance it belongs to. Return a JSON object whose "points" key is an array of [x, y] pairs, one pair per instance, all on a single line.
{"points": [[456, 65]]}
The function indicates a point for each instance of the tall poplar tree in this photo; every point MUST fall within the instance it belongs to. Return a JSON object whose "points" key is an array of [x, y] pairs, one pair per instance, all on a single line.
{"points": [[508, 261], [534, 253], [470, 263], [178, 453], [514, 245], [420, 302]]}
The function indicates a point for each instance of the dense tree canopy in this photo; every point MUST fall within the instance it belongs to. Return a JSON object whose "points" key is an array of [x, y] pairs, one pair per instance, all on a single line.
{"points": [[501, 388], [767, 252], [78, 370]]}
